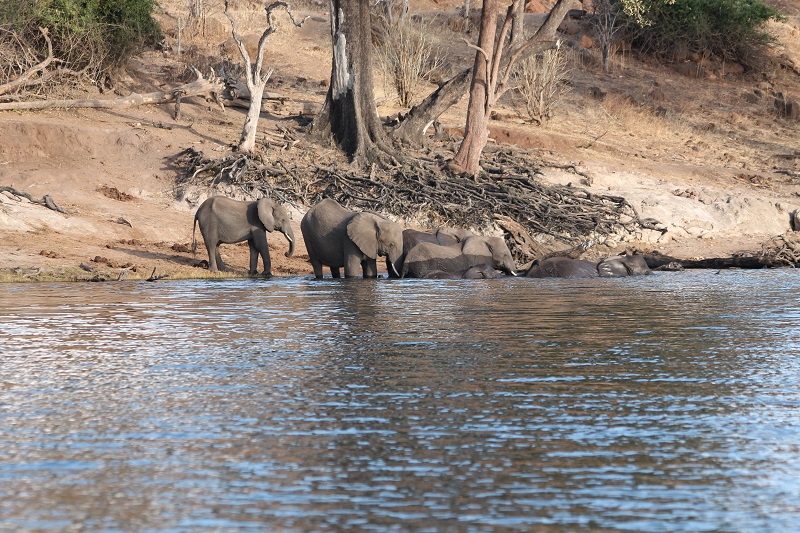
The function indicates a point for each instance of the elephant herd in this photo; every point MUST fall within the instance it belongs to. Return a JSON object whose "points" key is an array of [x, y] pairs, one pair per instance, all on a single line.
{"points": [[341, 239]]}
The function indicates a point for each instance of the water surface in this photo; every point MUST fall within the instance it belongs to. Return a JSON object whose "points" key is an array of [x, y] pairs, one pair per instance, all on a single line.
{"points": [[662, 403]]}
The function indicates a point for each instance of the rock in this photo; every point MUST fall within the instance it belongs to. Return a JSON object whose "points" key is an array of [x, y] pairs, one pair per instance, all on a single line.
{"points": [[570, 27], [751, 97], [786, 107], [534, 6], [597, 92], [690, 69], [587, 42]]}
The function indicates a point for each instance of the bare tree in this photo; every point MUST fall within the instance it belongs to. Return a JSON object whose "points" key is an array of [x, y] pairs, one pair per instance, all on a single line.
{"points": [[349, 116], [255, 77], [607, 22], [412, 130]]}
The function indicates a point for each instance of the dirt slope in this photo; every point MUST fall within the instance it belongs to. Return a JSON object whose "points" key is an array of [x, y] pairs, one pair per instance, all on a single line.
{"points": [[705, 156]]}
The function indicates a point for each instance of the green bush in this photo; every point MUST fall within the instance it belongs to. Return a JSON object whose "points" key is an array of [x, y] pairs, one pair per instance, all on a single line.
{"points": [[100, 35], [728, 29]]}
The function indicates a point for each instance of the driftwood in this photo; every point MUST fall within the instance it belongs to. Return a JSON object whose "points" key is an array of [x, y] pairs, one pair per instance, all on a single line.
{"points": [[46, 200], [201, 86]]}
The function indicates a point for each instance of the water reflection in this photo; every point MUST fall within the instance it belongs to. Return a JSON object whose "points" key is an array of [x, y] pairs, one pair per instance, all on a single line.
{"points": [[596, 405]]}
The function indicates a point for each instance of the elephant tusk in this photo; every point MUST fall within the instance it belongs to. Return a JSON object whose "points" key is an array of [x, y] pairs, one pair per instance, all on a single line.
{"points": [[394, 269]]}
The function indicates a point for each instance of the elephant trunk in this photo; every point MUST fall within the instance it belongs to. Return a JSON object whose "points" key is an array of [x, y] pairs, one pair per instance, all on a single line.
{"points": [[289, 237]]}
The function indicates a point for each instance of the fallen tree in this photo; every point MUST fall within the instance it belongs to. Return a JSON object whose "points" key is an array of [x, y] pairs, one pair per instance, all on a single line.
{"points": [[212, 87]]}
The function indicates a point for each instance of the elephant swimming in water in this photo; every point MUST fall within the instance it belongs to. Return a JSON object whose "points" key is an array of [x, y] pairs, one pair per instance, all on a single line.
{"points": [[339, 238], [476, 250], [413, 237], [612, 267], [224, 220]]}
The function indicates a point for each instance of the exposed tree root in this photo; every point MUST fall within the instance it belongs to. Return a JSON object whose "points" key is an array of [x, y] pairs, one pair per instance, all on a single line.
{"points": [[46, 200]]}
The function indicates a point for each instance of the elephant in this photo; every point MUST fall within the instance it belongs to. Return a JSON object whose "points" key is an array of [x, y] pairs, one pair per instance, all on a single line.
{"points": [[476, 250], [224, 220], [337, 237], [482, 271], [413, 237], [612, 267]]}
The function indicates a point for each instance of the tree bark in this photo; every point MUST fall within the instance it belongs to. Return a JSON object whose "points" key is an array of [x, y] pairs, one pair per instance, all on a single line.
{"points": [[349, 116], [412, 129], [476, 131], [518, 26]]}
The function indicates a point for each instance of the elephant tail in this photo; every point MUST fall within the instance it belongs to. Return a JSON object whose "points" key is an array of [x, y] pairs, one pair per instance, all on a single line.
{"points": [[194, 239]]}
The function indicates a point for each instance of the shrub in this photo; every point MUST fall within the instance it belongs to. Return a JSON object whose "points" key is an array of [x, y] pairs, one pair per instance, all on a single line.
{"points": [[728, 29], [96, 35], [407, 55], [541, 81]]}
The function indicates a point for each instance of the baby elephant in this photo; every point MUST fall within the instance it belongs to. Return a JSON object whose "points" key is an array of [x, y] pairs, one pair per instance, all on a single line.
{"points": [[224, 220], [612, 267]]}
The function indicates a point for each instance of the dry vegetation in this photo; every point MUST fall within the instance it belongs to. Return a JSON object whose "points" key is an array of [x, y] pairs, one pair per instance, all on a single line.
{"points": [[698, 148]]}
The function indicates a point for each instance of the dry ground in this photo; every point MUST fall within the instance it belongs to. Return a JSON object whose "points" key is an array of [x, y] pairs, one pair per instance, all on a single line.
{"points": [[704, 155]]}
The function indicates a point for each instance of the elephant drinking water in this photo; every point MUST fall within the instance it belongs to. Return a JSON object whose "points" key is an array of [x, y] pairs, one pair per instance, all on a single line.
{"points": [[339, 238]]}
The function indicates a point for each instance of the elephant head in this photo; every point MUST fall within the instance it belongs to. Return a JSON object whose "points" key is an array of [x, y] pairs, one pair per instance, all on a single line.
{"points": [[489, 250], [377, 236], [274, 216]]}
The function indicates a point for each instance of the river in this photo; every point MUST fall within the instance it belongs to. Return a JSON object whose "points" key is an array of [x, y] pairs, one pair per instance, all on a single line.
{"points": [[661, 403]]}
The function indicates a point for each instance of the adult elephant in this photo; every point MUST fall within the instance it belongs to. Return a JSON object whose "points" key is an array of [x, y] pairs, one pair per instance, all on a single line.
{"points": [[339, 238], [413, 237], [476, 250], [224, 220], [612, 267]]}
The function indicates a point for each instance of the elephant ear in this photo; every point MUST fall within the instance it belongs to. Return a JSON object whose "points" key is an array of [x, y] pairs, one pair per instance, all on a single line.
{"points": [[363, 231], [265, 207]]}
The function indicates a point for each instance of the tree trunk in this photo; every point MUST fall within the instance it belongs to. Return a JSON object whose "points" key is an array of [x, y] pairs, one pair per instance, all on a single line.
{"points": [[349, 116], [518, 26], [247, 142], [413, 128], [476, 131], [421, 116]]}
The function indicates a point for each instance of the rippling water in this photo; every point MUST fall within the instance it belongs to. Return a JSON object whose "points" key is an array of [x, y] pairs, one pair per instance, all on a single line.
{"points": [[663, 403]]}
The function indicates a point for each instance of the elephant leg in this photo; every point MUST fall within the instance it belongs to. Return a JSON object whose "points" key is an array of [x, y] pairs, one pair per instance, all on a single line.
{"points": [[215, 263], [316, 264], [335, 273], [212, 258], [370, 268], [253, 257], [220, 264], [352, 266], [259, 246]]}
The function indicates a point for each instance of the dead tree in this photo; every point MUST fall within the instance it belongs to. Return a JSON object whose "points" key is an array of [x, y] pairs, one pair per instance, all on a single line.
{"points": [[349, 116], [201, 86], [33, 75], [255, 78], [413, 128]]}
